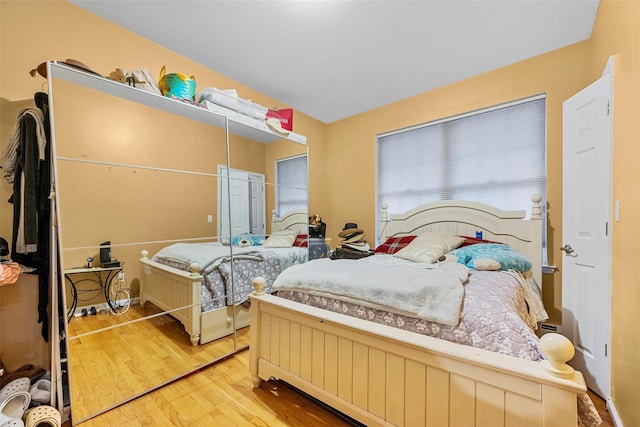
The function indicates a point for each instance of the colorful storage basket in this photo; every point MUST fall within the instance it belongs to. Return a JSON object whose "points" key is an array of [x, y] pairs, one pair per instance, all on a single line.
{"points": [[177, 85]]}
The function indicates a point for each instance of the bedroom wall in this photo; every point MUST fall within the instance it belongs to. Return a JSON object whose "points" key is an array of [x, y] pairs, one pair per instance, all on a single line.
{"points": [[559, 74], [35, 31], [617, 32]]}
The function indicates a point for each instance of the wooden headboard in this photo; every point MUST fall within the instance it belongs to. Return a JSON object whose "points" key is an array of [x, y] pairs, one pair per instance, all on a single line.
{"points": [[464, 218], [293, 220]]}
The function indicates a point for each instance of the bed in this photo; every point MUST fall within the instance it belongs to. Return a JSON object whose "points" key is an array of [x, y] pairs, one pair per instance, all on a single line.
{"points": [[382, 375], [193, 287]]}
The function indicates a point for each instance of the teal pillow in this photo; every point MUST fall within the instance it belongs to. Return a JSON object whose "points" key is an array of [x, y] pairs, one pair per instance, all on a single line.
{"points": [[492, 256]]}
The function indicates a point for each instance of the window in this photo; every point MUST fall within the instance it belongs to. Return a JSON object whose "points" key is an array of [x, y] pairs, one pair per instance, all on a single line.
{"points": [[291, 184], [494, 156]]}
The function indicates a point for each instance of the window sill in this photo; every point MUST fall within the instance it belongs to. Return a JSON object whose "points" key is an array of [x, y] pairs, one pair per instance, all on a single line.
{"points": [[548, 269]]}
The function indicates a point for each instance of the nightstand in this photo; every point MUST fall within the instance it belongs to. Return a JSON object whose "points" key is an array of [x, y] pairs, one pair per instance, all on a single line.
{"points": [[346, 253], [319, 248]]}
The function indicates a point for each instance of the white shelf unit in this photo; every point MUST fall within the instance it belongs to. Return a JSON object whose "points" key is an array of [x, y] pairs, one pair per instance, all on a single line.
{"points": [[238, 123]]}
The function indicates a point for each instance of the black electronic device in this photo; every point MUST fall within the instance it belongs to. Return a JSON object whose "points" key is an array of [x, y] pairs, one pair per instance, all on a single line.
{"points": [[111, 264], [317, 230], [105, 252]]}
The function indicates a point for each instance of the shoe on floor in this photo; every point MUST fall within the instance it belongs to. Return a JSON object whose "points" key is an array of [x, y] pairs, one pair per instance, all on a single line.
{"points": [[43, 416], [33, 374], [12, 423], [41, 391], [14, 406], [19, 384]]}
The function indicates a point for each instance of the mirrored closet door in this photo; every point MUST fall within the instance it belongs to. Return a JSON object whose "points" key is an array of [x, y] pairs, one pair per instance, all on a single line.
{"points": [[263, 205], [137, 175]]}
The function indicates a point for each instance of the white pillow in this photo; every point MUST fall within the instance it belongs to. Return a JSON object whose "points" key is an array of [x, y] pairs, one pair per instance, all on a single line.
{"points": [[280, 239], [429, 246], [287, 232], [486, 264]]}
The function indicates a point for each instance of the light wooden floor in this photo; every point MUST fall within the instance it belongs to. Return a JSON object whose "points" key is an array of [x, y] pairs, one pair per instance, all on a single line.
{"points": [[111, 366], [602, 409], [222, 395]]}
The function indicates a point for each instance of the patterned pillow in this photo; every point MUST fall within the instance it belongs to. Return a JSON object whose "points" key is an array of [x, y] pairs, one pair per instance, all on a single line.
{"points": [[301, 241], [394, 244], [247, 239], [492, 256]]}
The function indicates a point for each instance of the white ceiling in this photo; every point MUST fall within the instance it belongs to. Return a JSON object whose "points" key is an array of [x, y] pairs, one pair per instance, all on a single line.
{"points": [[334, 59]]}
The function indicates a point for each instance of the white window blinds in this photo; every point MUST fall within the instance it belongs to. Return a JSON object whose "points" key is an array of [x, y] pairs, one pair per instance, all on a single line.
{"points": [[291, 184], [494, 156]]}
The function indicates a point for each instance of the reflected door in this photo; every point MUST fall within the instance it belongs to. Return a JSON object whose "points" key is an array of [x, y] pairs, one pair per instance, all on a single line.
{"points": [[246, 205]]}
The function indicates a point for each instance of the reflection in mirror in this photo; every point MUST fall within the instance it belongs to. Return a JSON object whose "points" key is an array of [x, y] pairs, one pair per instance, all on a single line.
{"points": [[281, 165], [140, 179], [261, 190], [148, 184], [291, 184], [112, 365]]}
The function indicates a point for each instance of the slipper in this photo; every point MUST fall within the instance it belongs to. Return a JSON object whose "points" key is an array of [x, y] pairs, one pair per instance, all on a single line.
{"points": [[43, 416], [15, 386], [14, 406], [18, 373], [33, 374], [41, 391], [12, 423]]}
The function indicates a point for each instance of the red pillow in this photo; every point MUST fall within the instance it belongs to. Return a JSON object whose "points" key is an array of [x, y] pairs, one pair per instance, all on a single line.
{"points": [[394, 244], [468, 241], [301, 241]]}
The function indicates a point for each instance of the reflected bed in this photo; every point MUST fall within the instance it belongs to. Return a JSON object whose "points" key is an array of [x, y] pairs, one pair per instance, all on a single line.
{"points": [[194, 286]]}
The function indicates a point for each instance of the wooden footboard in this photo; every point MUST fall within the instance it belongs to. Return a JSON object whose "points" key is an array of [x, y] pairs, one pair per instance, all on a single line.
{"points": [[170, 290], [385, 376], [179, 293]]}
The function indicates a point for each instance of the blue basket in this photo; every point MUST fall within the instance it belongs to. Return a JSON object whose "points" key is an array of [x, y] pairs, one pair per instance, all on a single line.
{"points": [[177, 85]]}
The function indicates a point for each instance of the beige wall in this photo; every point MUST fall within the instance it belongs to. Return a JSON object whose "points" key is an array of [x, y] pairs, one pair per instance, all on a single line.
{"points": [[342, 170], [558, 74], [617, 32]]}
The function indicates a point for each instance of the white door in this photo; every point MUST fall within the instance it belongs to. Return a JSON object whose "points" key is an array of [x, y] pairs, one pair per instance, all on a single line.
{"points": [[239, 195], [235, 202], [256, 204], [586, 225], [247, 202]]}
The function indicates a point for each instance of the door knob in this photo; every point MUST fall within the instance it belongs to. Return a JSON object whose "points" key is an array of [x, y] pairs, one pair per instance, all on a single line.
{"points": [[567, 249]]}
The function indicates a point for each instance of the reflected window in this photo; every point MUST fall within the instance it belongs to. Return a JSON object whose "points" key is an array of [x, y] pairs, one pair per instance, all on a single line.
{"points": [[291, 184]]}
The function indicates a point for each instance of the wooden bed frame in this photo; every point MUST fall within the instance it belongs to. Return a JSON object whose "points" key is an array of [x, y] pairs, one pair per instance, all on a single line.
{"points": [[381, 375], [178, 292]]}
